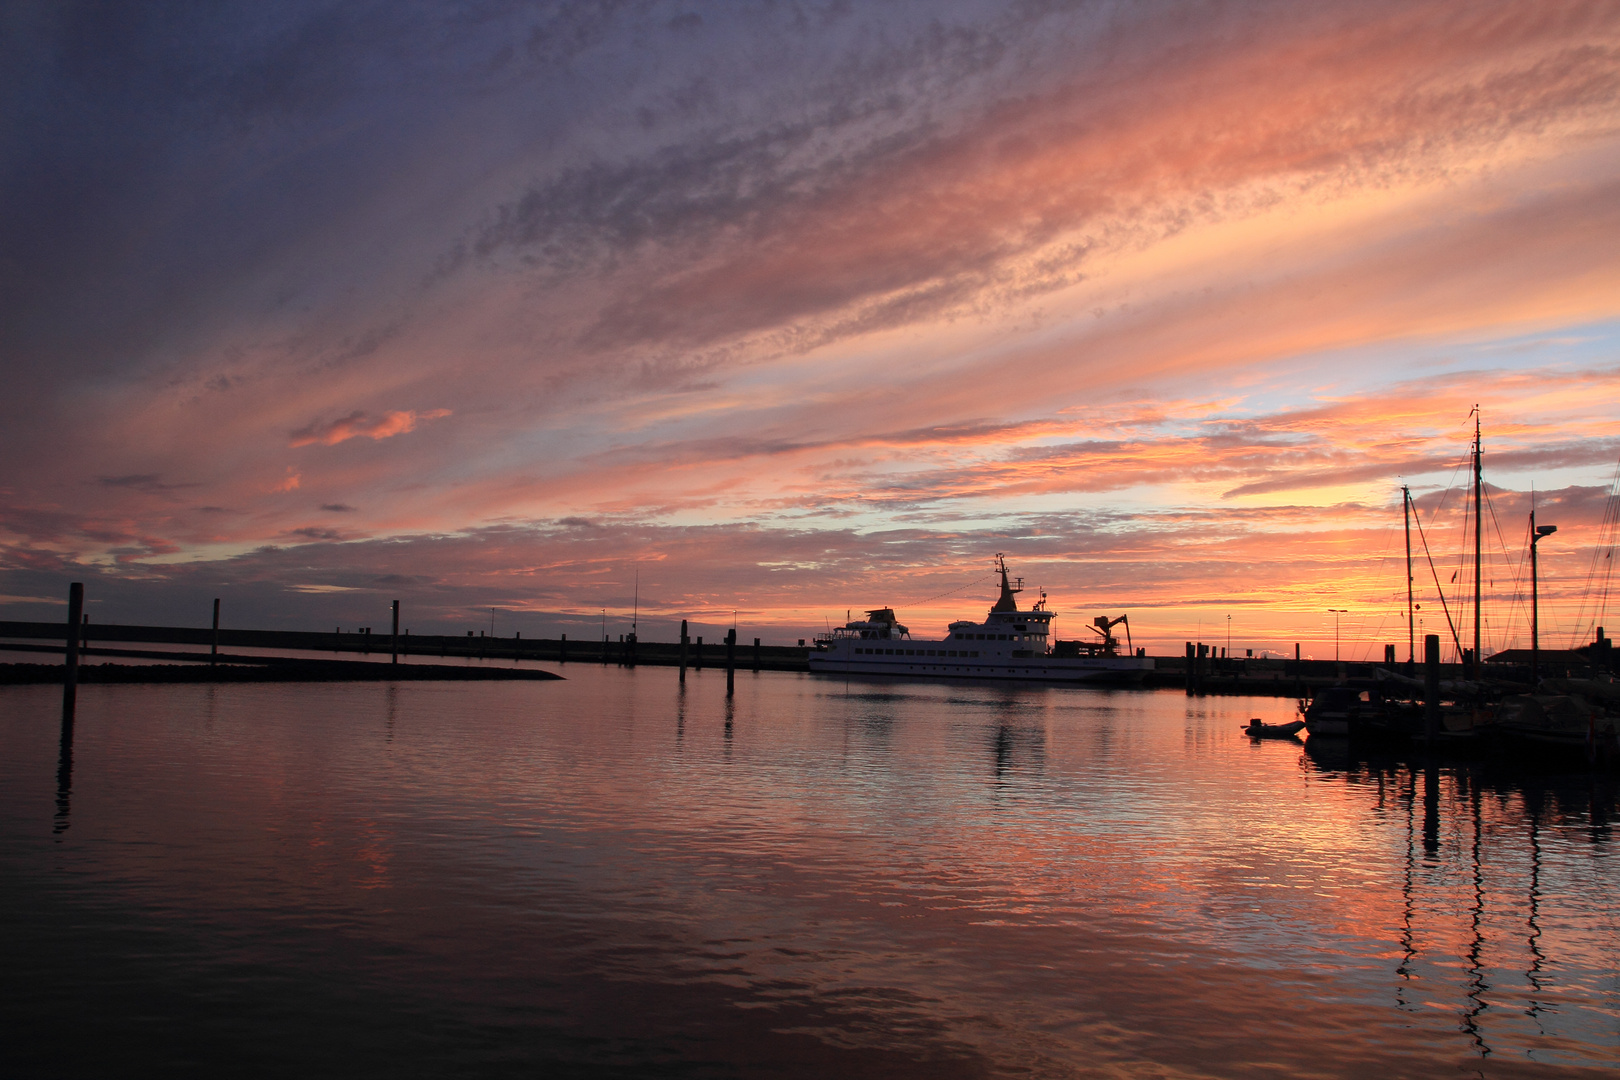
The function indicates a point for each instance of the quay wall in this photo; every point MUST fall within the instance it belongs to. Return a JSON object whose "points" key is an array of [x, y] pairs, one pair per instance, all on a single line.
{"points": [[1272, 677]]}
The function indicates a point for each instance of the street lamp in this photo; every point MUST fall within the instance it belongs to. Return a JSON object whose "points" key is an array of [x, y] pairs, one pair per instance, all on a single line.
{"points": [[1536, 534], [1336, 612]]}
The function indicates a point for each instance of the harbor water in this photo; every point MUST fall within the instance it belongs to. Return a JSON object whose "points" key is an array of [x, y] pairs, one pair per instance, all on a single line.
{"points": [[621, 875]]}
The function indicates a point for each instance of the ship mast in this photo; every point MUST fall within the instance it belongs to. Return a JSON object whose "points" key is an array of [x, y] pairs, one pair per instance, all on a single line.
{"points": [[1411, 634], [1479, 473]]}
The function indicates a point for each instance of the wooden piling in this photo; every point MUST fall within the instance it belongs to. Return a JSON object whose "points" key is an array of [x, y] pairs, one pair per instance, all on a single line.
{"points": [[1192, 672], [699, 653], [213, 649], [394, 650], [562, 650], [756, 654], [1431, 687], [731, 660], [70, 672], [683, 650]]}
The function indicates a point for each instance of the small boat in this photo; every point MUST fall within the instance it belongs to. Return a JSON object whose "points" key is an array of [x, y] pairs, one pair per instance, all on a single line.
{"points": [[1259, 729]]}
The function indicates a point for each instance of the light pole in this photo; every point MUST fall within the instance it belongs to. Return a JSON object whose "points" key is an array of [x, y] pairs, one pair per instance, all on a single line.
{"points": [[1336, 613], [1536, 533]]}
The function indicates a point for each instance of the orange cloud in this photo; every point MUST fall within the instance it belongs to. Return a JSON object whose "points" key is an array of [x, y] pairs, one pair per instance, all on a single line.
{"points": [[358, 423]]}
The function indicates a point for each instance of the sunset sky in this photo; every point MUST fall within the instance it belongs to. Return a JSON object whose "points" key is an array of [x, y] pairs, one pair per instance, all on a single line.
{"points": [[793, 308]]}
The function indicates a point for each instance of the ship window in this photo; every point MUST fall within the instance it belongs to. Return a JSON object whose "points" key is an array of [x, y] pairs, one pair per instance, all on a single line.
{"points": [[951, 653], [910, 653], [975, 652], [930, 652]]}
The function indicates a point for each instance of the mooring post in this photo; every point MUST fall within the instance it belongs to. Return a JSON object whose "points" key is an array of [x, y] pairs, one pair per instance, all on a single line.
{"points": [[394, 658], [213, 650], [683, 650], [517, 645], [699, 653], [1192, 678], [70, 672], [731, 660], [756, 654], [562, 650], [1431, 687], [1299, 672]]}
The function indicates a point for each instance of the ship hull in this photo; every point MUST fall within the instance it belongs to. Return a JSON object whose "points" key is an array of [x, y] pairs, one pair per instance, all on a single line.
{"points": [[1098, 670]]}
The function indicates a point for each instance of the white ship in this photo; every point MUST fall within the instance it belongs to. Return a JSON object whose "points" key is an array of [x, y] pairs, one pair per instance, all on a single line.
{"points": [[1008, 644]]}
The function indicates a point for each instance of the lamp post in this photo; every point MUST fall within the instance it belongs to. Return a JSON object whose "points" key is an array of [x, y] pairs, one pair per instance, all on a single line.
{"points": [[1336, 612], [1536, 534]]}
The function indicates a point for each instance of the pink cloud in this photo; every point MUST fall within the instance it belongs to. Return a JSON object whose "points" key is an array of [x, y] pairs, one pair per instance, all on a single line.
{"points": [[359, 423]]}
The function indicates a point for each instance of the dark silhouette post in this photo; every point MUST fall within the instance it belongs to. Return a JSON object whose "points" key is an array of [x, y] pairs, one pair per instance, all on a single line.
{"points": [[562, 650], [683, 650], [699, 653], [394, 658], [1431, 687], [213, 650], [1537, 534], [731, 660], [70, 672], [1192, 677], [756, 654]]}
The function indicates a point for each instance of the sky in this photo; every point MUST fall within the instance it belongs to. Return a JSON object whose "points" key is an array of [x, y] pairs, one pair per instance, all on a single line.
{"points": [[547, 316]]}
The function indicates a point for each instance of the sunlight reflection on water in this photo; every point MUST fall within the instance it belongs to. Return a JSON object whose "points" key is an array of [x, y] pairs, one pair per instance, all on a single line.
{"points": [[612, 873]]}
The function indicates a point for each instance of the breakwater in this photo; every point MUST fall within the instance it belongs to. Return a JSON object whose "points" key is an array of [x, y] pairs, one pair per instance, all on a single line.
{"points": [[1265, 677]]}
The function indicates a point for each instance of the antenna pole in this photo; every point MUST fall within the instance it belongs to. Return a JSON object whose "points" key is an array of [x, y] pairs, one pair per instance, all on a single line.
{"points": [[1479, 484]]}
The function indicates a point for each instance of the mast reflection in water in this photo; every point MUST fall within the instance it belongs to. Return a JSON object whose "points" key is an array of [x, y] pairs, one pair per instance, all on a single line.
{"points": [[616, 875]]}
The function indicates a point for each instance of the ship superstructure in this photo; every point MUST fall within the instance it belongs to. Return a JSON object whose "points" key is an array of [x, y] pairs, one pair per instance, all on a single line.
{"points": [[1010, 643]]}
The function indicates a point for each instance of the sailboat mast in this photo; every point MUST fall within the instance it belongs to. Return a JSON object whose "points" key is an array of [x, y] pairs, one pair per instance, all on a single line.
{"points": [[1411, 634], [1479, 484]]}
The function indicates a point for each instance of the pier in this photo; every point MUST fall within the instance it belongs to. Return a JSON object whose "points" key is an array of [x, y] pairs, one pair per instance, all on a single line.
{"points": [[102, 642]]}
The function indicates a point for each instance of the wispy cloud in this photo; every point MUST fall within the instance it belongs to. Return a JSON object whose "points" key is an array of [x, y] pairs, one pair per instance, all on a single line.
{"points": [[358, 424], [842, 294]]}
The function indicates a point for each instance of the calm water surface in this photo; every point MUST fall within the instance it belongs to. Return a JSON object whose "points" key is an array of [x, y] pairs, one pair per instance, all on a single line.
{"points": [[614, 876]]}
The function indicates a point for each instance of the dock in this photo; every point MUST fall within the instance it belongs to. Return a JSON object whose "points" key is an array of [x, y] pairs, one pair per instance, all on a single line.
{"points": [[110, 642]]}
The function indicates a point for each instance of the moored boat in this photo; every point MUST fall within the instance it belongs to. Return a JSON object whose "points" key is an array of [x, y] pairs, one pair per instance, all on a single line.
{"points": [[1259, 729], [1010, 643]]}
